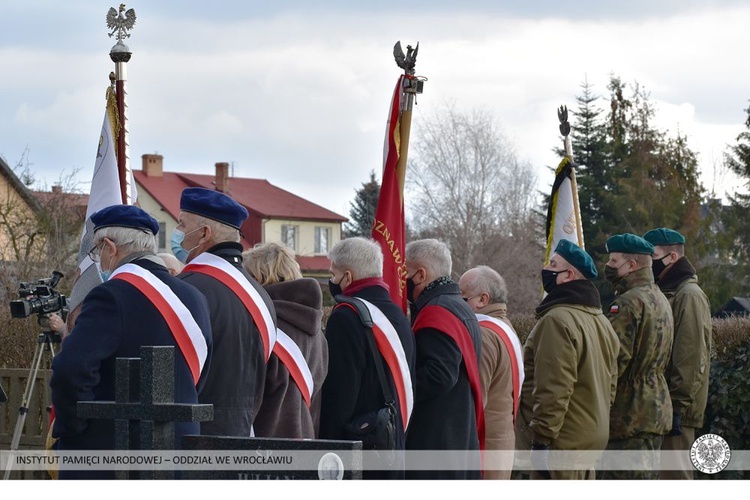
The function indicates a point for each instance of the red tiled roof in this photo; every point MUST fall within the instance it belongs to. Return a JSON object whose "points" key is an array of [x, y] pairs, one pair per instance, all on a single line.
{"points": [[318, 263], [257, 195]]}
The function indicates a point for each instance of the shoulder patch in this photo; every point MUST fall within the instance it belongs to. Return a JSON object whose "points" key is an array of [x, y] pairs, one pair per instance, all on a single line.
{"points": [[614, 309]]}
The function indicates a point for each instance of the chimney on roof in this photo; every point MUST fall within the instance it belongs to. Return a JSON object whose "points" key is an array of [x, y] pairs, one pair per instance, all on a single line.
{"points": [[56, 189], [222, 177], [153, 165]]}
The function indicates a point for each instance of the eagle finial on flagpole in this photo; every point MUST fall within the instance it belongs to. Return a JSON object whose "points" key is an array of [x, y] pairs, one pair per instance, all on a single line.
{"points": [[120, 23], [562, 115]]}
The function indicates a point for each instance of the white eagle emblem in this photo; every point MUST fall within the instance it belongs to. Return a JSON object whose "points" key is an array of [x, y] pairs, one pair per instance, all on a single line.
{"points": [[120, 23]]}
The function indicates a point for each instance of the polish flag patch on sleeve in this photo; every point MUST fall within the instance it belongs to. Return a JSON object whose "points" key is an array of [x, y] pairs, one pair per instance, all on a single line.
{"points": [[614, 309]]}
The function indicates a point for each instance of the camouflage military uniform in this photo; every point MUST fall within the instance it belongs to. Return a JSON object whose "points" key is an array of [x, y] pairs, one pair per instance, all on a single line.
{"points": [[642, 412]]}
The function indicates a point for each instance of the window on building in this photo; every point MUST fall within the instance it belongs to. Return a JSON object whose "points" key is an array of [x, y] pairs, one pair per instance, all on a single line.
{"points": [[322, 239], [289, 236], [162, 236]]}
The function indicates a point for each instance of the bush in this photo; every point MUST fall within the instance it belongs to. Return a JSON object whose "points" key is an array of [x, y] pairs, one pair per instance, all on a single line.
{"points": [[729, 388]]}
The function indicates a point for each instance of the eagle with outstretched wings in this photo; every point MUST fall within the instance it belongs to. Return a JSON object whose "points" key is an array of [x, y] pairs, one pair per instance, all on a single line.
{"points": [[710, 452], [408, 60], [120, 22]]}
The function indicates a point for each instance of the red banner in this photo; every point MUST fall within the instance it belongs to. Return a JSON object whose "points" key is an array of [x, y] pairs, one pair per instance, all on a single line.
{"points": [[389, 226]]}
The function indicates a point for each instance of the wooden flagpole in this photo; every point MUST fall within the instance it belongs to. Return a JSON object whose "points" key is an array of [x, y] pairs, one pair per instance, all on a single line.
{"points": [[562, 115]]}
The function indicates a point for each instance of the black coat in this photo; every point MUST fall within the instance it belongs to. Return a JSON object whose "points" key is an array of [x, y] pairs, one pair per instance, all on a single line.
{"points": [[115, 321], [444, 417], [238, 369], [352, 386]]}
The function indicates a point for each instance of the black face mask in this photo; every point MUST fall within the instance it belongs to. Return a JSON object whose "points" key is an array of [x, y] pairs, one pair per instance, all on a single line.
{"points": [[335, 288], [410, 289], [549, 279], [659, 266], [611, 274]]}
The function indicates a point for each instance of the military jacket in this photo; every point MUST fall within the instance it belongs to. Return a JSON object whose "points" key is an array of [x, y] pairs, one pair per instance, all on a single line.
{"points": [[688, 369], [642, 318]]}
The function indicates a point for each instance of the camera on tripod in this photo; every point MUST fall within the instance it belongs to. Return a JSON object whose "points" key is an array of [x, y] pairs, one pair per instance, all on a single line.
{"points": [[39, 298]]}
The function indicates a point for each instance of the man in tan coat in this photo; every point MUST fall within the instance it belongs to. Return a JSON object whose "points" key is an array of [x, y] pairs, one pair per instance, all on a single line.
{"points": [[500, 366], [690, 363], [570, 359]]}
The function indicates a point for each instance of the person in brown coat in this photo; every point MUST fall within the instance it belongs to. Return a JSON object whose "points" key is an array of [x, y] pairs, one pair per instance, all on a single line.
{"points": [[500, 365], [286, 410]]}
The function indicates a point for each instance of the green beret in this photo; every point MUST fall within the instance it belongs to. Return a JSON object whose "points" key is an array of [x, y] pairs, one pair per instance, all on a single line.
{"points": [[629, 243], [577, 258], [664, 236]]}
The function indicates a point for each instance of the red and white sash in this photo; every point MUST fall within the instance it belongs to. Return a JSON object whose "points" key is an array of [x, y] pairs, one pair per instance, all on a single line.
{"points": [[218, 268], [292, 358], [390, 347], [515, 351], [183, 326]]}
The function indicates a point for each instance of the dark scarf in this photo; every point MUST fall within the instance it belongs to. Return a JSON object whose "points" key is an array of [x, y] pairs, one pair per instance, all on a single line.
{"points": [[578, 292], [679, 272]]}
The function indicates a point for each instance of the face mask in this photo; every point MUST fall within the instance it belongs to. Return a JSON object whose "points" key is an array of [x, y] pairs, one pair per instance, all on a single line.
{"points": [[104, 275], [549, 279], [410, 289], [659, 266], [335, 288], [176, 241], [611, 274]]}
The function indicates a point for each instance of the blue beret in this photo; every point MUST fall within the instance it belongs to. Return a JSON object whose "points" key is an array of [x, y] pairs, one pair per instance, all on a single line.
{"points": [[124, 216], [664, 236], [214, 205], [577, 257], [629, 243]]}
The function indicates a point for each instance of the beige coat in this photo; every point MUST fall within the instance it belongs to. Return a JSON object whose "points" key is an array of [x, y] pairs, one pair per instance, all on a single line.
{"points": [[496, 374]]}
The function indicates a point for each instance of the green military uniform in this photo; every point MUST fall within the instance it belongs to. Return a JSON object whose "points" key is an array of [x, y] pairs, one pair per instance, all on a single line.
{"points": [[642, 411], [688, 370]]}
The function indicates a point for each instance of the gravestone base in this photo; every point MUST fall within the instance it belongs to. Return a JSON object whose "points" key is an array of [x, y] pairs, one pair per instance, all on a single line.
{"points": [[328, 459]]}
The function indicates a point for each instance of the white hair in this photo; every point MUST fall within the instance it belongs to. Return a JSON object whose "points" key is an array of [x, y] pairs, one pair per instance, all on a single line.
{"points": [[362, 256], [129, 239], [484, 279], [431, 254]]}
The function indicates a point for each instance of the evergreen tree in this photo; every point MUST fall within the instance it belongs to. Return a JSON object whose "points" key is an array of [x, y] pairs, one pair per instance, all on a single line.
{"points": [[735, 218], [363, 208]]}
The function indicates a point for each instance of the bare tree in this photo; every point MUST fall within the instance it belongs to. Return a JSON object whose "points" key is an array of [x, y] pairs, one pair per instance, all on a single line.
{"points": [[469, 188]]}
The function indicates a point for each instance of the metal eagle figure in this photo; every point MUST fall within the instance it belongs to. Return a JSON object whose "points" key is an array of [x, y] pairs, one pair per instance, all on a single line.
{"points": [[120, 23], [408, 61]]}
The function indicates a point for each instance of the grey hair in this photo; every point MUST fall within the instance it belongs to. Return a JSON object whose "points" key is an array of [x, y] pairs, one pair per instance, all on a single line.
{"points": [[484, 279], [221, 232], [129, 239], [431, 254], [362, 256]]}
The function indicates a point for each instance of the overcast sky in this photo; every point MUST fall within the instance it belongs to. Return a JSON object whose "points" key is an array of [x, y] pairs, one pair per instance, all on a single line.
{"points": [[298, 92]]}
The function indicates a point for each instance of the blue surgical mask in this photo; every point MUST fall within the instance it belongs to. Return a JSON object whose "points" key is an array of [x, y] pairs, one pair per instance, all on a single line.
{"points": [[105, 275], [177, 238]]}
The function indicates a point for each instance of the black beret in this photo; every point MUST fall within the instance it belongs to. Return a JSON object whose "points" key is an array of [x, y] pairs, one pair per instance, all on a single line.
{"points": [[664, 236], [213, 205], [124, 216], [577, 257], [629, 243]]}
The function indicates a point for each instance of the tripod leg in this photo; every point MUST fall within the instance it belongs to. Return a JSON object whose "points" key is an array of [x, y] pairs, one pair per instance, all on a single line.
{"points": [[24, 409]]}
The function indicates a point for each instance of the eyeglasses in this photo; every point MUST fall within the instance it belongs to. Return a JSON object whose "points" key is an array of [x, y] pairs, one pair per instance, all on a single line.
{"points": [[95, 253], [466, 299]]}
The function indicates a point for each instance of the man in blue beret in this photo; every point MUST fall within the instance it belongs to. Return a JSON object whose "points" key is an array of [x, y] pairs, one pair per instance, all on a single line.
{"points": [[243, 319], [139, 304], [689, 366], [642, 319], [570, 363]]}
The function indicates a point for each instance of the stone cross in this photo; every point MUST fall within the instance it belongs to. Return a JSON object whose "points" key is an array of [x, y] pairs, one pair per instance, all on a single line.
{"points": [[144, 410]]}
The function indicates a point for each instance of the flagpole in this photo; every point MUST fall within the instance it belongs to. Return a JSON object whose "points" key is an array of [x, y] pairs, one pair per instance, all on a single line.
{"points": [[412, 86], [562, 115], [120, 23]]}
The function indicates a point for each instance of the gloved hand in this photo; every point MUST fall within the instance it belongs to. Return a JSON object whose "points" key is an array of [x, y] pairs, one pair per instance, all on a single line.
{"points": [[676, 425], [540, 459]]}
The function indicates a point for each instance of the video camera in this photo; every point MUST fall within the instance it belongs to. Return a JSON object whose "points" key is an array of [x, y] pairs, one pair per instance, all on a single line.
{"points": [[39, 298]]}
